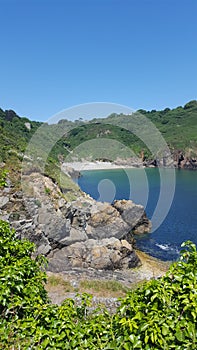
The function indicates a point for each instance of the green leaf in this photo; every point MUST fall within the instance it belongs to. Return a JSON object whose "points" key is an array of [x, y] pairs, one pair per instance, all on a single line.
{"points": [[165, 329], [146, 339], [179, 335]]}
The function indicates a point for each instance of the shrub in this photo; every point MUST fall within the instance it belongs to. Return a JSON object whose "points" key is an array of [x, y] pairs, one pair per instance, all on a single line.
{"points": [[21, 277], [161, 314]]}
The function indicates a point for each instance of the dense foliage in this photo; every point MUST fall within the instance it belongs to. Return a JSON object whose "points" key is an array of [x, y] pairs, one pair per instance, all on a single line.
{"points": [[16, 132], [178, 126], [161, 314], [171, 123]]}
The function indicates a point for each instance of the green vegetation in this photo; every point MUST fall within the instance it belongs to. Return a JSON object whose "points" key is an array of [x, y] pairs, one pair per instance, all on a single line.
{"points": [[103, 288], [48, 149], [124, 141], [178, 127], [100, 288], [57, 283], [47, 190], [15, 133], [3, 175], [161, 314]]}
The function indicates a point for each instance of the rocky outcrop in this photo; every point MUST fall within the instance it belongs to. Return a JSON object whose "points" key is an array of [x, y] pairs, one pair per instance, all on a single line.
{"points": [[134, 215], [106, 254], [182, 161], [68, 170], [80, 233]]}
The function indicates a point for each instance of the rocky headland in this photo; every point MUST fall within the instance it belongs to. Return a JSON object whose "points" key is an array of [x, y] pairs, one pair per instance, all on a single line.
{"points": [[83, 240], [81, 233]]}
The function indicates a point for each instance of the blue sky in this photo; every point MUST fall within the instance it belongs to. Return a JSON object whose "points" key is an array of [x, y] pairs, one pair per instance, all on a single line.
{"points": [[59, 53]]}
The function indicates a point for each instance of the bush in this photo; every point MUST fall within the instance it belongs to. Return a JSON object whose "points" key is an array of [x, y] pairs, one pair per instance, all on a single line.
{"points": [[21, 277], [161, 314]]}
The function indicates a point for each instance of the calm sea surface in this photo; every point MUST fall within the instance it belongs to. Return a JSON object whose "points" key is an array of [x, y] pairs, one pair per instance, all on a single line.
{"points": [[143, 186]]}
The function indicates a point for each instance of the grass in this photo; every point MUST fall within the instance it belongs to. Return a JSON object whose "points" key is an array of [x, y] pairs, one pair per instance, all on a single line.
{"points": [[57, 283], [63, 285], [103, 287]]}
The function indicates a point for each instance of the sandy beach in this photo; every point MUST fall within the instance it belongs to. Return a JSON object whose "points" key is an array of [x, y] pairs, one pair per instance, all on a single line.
{"points": [[97, 165]]}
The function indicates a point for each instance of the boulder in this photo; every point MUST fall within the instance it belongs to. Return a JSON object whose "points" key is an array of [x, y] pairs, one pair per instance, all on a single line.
{"points": [[80, 233], [3, 201], [105, 221], [134, 215], [103, 254]]}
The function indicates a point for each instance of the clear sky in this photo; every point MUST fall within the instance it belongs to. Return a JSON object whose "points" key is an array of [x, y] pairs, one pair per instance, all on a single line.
{"points": [[60, 53]]}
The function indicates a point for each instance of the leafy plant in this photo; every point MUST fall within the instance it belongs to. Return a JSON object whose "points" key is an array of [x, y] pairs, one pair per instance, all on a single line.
{"points": [[21, 277], [161, 314], [3, 175], [47, 190]]}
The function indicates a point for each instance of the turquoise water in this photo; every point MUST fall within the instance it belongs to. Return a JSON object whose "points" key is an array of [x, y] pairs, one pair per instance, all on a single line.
{"points": [[144, 186]]}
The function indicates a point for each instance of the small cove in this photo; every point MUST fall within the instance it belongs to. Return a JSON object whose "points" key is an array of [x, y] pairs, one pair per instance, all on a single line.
{"points": [[143, 187]]}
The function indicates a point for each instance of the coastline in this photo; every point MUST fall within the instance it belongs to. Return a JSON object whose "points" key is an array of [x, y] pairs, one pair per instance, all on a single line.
{"points": [[77, 166], [151, 268], [97, 165]]}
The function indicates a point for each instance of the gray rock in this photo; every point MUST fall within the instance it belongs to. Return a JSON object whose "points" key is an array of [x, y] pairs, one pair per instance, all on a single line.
{"points": [[61, 203], [75, 235], [3, 201], [44, 215], [104, 254], [131, 213], [82, 233]]}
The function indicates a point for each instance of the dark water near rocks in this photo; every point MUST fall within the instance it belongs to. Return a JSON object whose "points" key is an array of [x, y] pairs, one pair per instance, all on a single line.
{"points": [[143, 186]]}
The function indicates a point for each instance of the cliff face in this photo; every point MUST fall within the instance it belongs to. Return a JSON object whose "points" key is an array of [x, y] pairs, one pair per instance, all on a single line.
{"points": [[80, 233], [184, 160]]}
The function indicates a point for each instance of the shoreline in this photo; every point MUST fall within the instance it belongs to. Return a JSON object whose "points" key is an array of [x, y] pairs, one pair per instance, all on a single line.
{"points": [[151, 268], [97, 165], [77, 166]]}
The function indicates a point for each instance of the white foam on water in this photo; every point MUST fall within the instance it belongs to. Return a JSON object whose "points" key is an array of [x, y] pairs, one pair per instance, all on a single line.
{"points": [[162, 246], [166, 247]]}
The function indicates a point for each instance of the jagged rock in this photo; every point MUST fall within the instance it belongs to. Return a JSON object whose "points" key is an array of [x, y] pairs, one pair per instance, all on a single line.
{"points": [[106, 254], [82, 233], [70, 171], [133, 215], [28, 126], [3, 201], [184, 161], [105, 221]]}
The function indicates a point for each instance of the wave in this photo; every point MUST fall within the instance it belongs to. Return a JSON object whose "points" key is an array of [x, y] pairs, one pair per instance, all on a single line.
{"points": [[167, 247]]}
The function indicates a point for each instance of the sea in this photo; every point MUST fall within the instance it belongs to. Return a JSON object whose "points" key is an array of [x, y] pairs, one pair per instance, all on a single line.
{"points": [[169, 197]]}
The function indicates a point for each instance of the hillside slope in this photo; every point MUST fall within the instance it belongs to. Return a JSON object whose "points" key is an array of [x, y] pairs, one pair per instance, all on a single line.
{"points": [[178, 127]]}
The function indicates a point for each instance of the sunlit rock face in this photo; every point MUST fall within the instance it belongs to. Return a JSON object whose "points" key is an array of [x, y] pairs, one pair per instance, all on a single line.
{"points": [[79, 233]]}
